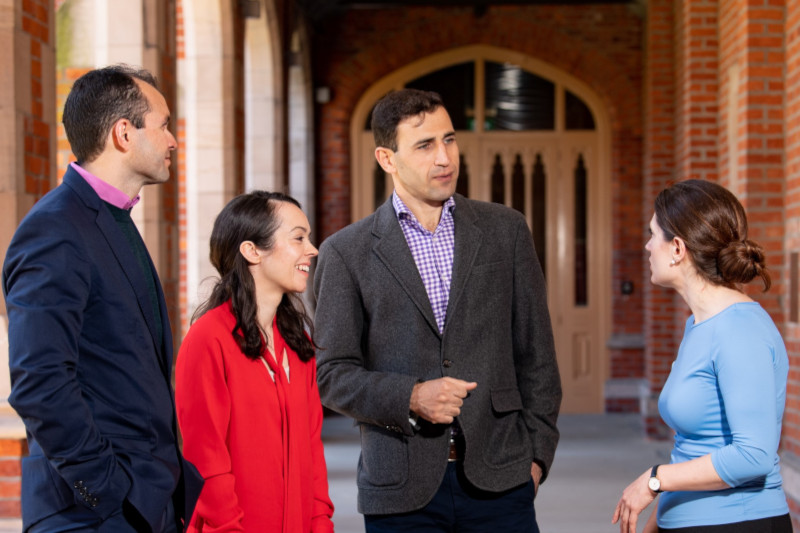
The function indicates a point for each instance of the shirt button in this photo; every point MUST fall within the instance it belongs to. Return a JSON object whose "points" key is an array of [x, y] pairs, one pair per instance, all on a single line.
{"points": [[447, 363]]}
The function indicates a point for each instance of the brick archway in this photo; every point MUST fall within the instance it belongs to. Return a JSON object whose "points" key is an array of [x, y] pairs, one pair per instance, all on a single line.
{"points": [[420, 32], [600, 45]]}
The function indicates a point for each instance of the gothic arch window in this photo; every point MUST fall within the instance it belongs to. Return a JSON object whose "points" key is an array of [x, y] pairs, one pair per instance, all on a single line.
{"points": [[537, 140], [483, 95]]}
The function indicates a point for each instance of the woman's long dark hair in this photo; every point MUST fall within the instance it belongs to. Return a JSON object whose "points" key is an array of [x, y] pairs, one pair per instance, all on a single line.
{"points": [[252, 217]]}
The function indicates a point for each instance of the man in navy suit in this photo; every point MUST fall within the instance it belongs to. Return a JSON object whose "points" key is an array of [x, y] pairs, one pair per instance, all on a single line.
{"points": [[90, 346]]}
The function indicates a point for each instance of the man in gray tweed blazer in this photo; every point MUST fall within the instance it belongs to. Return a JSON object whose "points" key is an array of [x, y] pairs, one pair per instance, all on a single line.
{"points": [[435, 337]]}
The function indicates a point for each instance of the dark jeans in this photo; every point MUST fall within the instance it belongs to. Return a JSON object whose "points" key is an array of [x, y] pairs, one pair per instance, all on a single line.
{"points": [[459, 507], [81, 519], [774, 524]]}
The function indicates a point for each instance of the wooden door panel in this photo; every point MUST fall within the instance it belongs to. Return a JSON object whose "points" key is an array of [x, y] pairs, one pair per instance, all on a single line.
{"points": [[542, 167]]}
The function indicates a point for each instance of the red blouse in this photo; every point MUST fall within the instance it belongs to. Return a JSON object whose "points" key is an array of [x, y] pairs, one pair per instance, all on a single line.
{"points": [[255, 440]]}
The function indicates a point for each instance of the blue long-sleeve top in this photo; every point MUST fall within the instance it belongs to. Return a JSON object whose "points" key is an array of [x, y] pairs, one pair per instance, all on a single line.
{"points": [[725, 397]]}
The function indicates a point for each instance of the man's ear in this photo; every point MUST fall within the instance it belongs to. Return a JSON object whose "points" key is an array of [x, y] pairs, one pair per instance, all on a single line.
{"points": [[121, 133], [250, 252], [385, 158]]}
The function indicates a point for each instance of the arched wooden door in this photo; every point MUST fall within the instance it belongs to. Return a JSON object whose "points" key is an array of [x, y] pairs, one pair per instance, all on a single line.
{"points": [[550, 162]]}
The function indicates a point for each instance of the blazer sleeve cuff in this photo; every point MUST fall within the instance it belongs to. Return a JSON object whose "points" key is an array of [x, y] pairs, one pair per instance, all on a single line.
{"points": [[544, 468], [103, 500]]}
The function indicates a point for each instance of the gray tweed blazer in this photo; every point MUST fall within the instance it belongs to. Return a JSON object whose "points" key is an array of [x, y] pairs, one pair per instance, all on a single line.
{"points": [[378, 337]]}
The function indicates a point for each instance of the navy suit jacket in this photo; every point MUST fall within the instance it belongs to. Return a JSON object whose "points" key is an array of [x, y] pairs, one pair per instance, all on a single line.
{"points": [[87, 376]]}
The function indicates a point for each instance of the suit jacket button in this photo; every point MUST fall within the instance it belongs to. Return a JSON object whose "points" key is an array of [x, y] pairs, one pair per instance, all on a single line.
{"points": [[447, 363]]}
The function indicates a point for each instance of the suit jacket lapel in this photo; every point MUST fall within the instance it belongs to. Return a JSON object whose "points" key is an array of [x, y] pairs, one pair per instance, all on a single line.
{"points": [[125, 258], [468, 239], [392, 249]]}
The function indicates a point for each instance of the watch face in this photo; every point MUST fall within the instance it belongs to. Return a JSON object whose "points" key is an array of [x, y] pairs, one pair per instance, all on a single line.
{"points": [[654, 484]]}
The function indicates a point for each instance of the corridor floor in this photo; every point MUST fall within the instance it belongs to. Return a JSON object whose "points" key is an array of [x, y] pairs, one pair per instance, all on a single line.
{"points": [[597, 457]]}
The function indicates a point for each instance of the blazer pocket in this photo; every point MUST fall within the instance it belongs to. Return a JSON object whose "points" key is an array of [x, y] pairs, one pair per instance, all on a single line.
{"points": [[496, 266], [508, 441], [384, 458], [44, 491], [505, 400]]}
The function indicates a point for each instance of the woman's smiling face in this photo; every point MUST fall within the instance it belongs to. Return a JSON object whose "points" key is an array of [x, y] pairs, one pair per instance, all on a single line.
{"points": [[285, 266]]}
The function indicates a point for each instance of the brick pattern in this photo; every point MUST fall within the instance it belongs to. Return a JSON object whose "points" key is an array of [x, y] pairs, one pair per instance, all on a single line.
{"points": [[36, 21], [760, 40], [791, 235], [686, 133], [736, 122], [11, 453], [661, 341], [762, 124], [65, 77], [599, 44], [356, 49], [180, 38], [697, 66]]}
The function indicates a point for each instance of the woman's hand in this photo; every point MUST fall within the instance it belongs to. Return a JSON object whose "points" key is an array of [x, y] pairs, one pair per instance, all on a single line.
{"points": [[635, 498]]}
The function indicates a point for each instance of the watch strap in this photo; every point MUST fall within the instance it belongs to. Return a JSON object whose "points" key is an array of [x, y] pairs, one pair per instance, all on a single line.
{"points": [[654, 474]]}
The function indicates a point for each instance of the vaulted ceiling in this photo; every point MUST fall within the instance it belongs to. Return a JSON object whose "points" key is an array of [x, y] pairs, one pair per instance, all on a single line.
{"points": [[317, 10]]}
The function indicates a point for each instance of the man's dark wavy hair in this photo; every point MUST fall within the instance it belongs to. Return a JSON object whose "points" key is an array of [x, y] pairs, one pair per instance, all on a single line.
{"points": [[100, 98], [397, 106]]}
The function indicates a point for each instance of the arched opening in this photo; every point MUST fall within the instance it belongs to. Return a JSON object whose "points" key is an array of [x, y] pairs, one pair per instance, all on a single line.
{"points": [[538, 140]]}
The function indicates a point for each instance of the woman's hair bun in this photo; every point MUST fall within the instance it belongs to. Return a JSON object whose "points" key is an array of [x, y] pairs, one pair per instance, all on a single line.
{"points": [[743, 261]]}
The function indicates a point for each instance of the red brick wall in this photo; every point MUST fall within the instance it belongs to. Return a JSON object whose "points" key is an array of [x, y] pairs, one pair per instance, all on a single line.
{"points": [[65, 77], [764, 173], [682, 143], [354, 50], [12, 450], [736, 100], [37, 19], [659, 164], [791, 330], [762, 186], [696, 75]]}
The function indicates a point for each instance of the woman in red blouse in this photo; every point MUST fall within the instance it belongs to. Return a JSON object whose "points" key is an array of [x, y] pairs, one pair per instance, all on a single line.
{"points": [[245, 382]]}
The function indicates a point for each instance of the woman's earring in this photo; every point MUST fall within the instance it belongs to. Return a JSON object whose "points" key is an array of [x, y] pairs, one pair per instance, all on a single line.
{"points": [[672, 262]]}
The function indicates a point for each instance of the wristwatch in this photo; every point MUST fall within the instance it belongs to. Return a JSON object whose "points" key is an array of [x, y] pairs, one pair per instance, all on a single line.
{"points": [[653, 482]]}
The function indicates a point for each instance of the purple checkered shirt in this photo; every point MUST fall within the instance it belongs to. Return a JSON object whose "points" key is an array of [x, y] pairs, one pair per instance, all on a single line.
{"points": [[432, 252]]}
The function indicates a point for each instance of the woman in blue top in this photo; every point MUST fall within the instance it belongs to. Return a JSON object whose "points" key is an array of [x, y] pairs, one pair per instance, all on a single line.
{"points": [[726, 392]]}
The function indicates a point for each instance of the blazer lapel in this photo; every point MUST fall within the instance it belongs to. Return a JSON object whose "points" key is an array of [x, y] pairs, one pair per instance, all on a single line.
{"points": [[392, 249], [125, 258], [130, 267], [468, 240]]}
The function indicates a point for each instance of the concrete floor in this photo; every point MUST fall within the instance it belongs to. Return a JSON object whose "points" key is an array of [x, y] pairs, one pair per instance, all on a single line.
{"points": [[598, 456]]}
